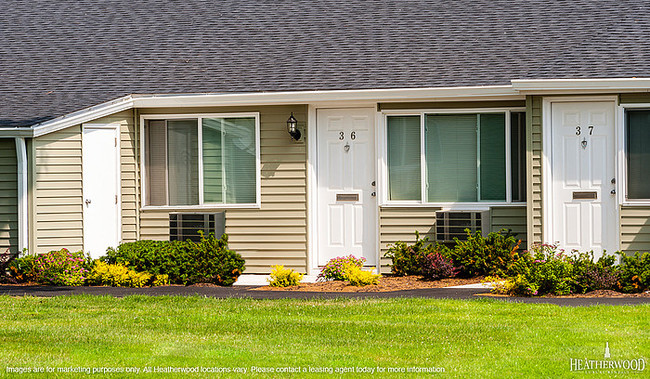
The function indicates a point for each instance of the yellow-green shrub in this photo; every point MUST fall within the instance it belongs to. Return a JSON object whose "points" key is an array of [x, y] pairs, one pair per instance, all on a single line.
{"points": [[160, 280], [284, 277], [358, 277], [117, 275]]}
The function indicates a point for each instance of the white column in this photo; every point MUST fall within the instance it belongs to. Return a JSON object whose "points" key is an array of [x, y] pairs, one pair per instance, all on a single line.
{"points": [[23, 231]]}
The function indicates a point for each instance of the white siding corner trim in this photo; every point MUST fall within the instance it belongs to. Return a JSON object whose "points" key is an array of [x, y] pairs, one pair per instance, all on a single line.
{"points": [[23, 232]]}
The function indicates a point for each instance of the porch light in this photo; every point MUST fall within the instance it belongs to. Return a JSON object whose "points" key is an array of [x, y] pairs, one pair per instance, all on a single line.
{"points": [[292, 128]]}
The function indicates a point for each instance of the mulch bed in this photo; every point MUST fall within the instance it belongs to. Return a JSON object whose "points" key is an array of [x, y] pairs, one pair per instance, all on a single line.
{"points": [[386, 284], [604, 293]]}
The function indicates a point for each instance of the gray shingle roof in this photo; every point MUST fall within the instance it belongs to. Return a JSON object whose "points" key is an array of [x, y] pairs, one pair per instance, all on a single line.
{"points": [[60, 56]]}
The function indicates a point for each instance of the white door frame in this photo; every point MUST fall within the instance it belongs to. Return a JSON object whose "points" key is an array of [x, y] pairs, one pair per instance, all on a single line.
{"points": [[312, 180], [116, 127], [547, 163]]}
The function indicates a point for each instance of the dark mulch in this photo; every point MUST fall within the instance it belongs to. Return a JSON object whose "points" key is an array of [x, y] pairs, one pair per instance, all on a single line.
{"points": [[386, 284]]}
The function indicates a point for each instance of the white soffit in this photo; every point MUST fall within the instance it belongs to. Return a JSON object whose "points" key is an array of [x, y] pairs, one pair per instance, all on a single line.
{"points": [[580, 86]]}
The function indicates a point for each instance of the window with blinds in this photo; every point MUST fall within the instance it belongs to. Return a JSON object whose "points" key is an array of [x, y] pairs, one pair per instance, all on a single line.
{"points": [[202, 161], [456, 158]]}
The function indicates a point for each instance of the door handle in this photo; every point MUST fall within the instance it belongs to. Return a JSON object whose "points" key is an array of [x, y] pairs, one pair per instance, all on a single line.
{"points": [[373, 194], [613, 192]]}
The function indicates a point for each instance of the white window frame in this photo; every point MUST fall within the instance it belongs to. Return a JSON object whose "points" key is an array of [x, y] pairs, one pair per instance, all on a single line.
{"points": [[199, 117], [622, 154], [476, 205]]}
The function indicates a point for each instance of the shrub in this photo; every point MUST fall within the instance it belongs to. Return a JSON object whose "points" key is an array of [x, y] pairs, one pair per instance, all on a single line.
{"points": [[335, 267], [60, 267], [436, 266], [160, 280], [117, 275], [590, 276], [515, 285], [634, 272], [358, 277], [491, 255], [184, 262], [23, 269], [407, 259], [284, 277], [551, 271]]}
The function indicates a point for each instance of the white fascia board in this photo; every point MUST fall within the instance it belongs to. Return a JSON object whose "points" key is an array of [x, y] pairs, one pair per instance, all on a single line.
{"points": [[304, 97], [18, 132], [580, 86], [82, 116]]}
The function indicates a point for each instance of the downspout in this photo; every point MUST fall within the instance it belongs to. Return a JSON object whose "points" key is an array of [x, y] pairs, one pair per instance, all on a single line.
{"points": [[23, 230]]}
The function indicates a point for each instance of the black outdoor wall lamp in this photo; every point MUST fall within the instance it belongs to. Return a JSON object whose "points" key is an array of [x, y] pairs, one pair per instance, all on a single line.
{"points": [[292, 128]]}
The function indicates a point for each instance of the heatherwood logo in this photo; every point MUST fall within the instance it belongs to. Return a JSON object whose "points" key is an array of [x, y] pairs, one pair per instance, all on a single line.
{"points": [[608, 364]]}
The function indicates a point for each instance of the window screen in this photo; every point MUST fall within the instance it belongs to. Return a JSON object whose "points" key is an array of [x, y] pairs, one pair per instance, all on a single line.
{"points": [[638, 154]]}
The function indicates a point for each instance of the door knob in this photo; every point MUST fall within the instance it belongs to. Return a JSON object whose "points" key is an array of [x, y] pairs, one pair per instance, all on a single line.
{"points": [[373, 194], [613, 192]]}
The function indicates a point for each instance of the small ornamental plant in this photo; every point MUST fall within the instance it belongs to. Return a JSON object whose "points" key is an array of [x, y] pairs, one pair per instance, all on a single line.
{"points": [[335, 268], [436, 266], [284, 277], [60, 268], [358, 277], [118, 275]]}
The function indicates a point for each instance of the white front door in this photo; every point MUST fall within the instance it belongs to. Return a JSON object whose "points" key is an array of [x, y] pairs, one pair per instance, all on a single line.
{"points": [[100, 189], [346, 184], [583, 198]]}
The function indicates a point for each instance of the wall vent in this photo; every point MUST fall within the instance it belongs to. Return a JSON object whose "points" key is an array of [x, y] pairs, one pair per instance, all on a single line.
{"points": [[450, 224], [186, 226]]}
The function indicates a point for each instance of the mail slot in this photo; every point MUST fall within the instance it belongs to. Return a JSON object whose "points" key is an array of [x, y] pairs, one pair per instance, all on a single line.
{"points": [[585, 195], [347, 197]]}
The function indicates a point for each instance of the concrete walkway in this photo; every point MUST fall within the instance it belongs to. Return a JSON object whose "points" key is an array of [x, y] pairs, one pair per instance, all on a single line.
{"points": [[249, 292]]}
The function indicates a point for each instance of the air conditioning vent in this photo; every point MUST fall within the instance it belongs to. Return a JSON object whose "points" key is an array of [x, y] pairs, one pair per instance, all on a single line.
{"points": [[186, 226], [453, 224]]}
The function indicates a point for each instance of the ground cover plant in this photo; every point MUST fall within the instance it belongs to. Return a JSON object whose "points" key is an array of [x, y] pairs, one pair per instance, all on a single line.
{"points": [[477, 338]]}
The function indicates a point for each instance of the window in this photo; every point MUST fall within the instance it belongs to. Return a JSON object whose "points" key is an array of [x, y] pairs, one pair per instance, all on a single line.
{"points": [[451, 158], [637, 130], [202, 161]]}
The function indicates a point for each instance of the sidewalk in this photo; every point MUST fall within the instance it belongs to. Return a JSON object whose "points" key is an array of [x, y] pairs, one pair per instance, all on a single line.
{"points": [[247, 292]]}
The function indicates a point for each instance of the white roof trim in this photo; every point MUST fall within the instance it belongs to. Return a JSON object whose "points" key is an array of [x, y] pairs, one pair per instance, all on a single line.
{"points": [[580, 86], [517, 90]]}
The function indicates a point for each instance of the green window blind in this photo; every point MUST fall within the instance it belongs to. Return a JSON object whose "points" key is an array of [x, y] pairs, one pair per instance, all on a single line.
{"points": [[182, 162], [404, 181], [638, 154], [451, 158], [229, 160], [493, 156]]}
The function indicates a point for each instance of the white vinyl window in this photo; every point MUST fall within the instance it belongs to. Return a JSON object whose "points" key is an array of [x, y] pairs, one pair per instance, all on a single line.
{"points": [[201, 161], [440, 158]]}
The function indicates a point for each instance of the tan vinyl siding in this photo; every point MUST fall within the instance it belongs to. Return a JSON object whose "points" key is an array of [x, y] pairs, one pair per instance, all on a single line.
{"points": [[58, 191], [400, 224], [534, 167], [128, 172], [513, 218], [635, 228], [629, 98], [276, 233], [8, 196]]}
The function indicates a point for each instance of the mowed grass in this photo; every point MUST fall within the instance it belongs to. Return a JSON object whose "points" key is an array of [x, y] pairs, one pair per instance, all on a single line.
{"points": [[481, 338]]}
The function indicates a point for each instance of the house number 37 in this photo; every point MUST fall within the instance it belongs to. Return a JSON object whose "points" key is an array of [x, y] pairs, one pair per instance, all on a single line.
{"points": [[353, 135], [579, 130]]}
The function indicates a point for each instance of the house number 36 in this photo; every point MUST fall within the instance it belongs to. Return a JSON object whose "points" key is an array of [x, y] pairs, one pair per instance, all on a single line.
{"points": [[579, 130], [353, 135]]}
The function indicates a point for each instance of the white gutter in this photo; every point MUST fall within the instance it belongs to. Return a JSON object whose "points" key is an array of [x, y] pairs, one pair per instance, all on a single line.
{"points": [[580, 86], [23, 231]]}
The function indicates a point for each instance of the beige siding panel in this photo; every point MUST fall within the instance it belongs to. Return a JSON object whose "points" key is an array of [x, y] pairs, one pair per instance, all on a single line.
{"points": [[128, 171], [400, 224], [534, 168], [8, 196], [276, 233], [626, 98], [635, 229], [513, 218], [58, 191]]}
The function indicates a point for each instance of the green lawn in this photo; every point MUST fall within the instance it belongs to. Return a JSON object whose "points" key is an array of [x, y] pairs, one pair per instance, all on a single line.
{"points": [[482, 338]]}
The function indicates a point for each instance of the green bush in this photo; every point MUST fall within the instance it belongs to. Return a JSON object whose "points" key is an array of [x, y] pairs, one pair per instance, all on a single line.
{"points": [[495, 254], [284, 277], [634, 272], [358, 277], [22, 269], [590, 275], [184, 262], [407, 259]]}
